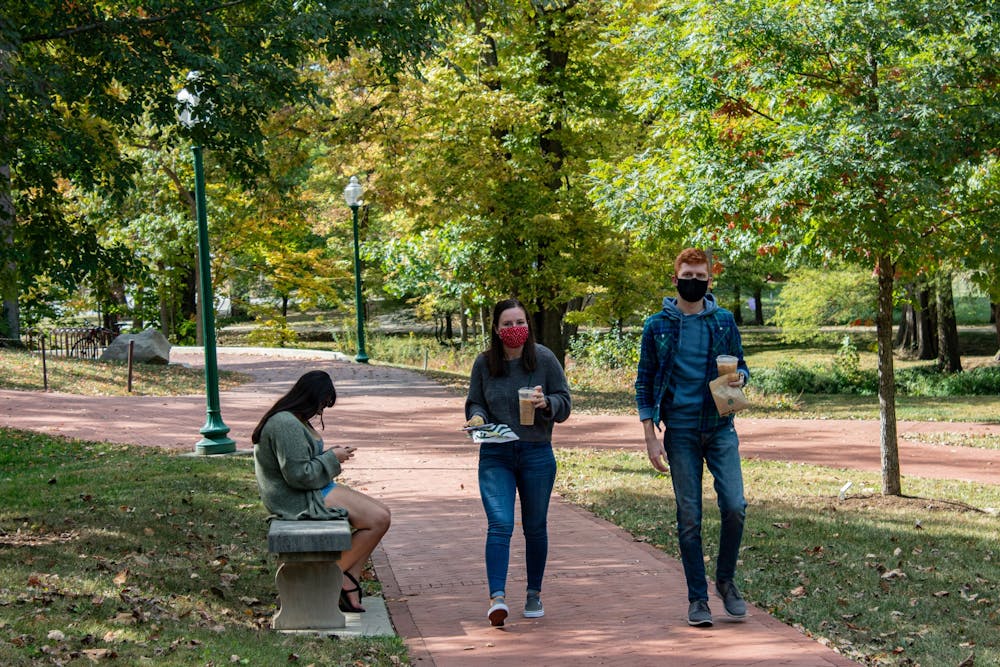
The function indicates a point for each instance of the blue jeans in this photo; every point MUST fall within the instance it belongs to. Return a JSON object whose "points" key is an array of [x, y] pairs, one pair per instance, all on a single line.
{"points": [[529, 468], [720, 451]]}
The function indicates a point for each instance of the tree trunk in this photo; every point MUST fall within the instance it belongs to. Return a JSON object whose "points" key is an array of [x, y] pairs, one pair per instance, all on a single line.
{"points": [[166, 294], [570, 330], [486, 321], [995, 316], [140, 299], [548, 331], [906, 334], [9, 308], [463, 323], [737, 309], [449, 331], [758, 302], [891, 485], [949, 356], [237, 303], [926, 324]]}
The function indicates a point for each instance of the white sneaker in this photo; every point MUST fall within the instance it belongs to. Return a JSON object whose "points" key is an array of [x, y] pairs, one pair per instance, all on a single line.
{"points": [[498, 611]]}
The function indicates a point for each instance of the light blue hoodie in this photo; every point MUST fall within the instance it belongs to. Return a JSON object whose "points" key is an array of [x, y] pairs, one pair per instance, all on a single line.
{"points": [[687, 381]]}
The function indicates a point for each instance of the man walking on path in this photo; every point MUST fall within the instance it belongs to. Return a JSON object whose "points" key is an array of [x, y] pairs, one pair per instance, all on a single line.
{"points": [[677, 360]]}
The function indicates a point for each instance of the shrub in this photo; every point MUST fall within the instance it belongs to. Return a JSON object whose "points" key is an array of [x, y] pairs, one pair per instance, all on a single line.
{"points": [[272, 332], [843, 376], [928, 381], [606, 349]]}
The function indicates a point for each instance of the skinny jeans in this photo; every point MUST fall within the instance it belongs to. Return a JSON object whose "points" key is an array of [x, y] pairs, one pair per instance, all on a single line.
{"points": [[688, 452], [529, 470]]}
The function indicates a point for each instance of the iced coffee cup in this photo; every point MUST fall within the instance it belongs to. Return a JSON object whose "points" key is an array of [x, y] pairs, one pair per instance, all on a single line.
{"points": [[727, 365], [524, 395]]}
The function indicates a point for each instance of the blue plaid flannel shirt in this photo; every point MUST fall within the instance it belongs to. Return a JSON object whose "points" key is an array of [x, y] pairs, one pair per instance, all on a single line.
{"points": [[656, 362]]}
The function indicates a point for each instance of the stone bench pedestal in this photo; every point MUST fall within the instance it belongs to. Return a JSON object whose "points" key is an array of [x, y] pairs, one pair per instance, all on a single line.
{"points": [[308, 577]]}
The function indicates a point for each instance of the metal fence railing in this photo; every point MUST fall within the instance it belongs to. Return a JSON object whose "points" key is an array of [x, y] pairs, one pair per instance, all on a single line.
{"points": [[79, 342]]}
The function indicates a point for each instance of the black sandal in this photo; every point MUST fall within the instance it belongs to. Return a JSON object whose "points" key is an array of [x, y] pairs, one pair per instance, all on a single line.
{"points": [[345, 602]]}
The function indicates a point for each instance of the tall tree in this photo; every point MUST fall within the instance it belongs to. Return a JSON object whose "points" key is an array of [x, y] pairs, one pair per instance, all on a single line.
{"points": [[503, 126], [846, 129], [78, 76]]}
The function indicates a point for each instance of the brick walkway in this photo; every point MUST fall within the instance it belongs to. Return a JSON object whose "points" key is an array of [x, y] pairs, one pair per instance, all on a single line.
{"points": [[609, 600]]}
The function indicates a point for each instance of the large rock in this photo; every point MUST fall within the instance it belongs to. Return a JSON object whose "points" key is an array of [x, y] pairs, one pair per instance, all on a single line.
{"points": [[151, 347]]}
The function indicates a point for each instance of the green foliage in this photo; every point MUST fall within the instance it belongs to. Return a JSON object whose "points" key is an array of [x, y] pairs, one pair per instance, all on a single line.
{"points": [[845, 377], [816, 297], [272, 330], [612, 349], [928, 381], [789, 377], [186, 332], [83, 80], [490, 150]]}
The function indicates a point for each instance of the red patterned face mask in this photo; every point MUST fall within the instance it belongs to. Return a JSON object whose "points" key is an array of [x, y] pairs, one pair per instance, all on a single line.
{"points": [[513, 336]]}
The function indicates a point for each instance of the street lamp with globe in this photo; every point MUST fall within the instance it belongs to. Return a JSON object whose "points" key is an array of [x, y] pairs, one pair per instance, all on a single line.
{"points": [[352, 195], [194, 112]]}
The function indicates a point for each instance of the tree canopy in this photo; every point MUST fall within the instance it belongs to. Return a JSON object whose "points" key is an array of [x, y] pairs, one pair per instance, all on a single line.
{"points": [[79, 77]]}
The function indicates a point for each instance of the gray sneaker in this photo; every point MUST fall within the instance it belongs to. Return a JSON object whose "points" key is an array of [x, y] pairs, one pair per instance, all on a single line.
{"points": [[498, 611], [533, 607], [699, 614], [731, 599]]}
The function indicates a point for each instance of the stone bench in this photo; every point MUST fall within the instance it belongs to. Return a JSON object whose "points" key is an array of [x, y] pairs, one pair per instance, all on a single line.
{"points": [[308, 577]]}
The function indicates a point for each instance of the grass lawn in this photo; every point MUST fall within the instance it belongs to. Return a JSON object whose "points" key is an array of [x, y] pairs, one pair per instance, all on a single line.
{"points": [[23, 371], [172, 570], [887, 581]]}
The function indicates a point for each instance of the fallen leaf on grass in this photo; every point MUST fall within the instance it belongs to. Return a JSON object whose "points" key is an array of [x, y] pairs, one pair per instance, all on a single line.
{"points": [[98, 654]]}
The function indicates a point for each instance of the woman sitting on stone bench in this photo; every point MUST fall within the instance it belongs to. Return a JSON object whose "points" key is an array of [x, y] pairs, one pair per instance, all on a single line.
{"points": [[295, 476]]}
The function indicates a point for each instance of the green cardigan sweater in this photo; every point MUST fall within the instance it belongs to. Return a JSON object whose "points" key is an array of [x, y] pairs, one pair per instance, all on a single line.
{"points": [[291, 470]]}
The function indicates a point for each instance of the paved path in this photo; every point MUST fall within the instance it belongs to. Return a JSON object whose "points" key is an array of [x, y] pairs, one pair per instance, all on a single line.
{"points": [[609, 600]]}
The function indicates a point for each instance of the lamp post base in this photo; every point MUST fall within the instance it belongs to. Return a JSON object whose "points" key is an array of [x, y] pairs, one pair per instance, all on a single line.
{"points": [[214, 440], [361, 358], [220, 446]]}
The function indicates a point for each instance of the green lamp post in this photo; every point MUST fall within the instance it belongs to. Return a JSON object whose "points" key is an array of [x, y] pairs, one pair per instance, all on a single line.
{"points": [[214, 439], [352, 195]]}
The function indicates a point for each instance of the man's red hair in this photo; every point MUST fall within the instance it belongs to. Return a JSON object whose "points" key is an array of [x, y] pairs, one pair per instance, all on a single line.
{"points": [[692, 256]]}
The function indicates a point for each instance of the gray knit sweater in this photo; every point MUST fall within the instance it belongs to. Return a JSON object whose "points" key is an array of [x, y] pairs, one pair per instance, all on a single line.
{"points": [[291, 470], [495, 398]]}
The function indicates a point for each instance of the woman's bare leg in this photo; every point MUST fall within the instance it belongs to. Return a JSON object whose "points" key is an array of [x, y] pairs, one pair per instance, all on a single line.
{"points": [[370, 520]]}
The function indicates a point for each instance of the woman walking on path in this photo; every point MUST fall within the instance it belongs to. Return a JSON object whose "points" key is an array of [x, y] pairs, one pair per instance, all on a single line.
{"points": [[525, 466], [295, 476]]}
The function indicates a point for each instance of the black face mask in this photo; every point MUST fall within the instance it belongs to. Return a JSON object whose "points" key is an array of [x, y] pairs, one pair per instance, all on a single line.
{"points": [[692, 290]]}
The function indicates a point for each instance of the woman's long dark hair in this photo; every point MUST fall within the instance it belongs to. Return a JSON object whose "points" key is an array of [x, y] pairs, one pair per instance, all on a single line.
{"points": [[308, 396], [494, 355]]}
